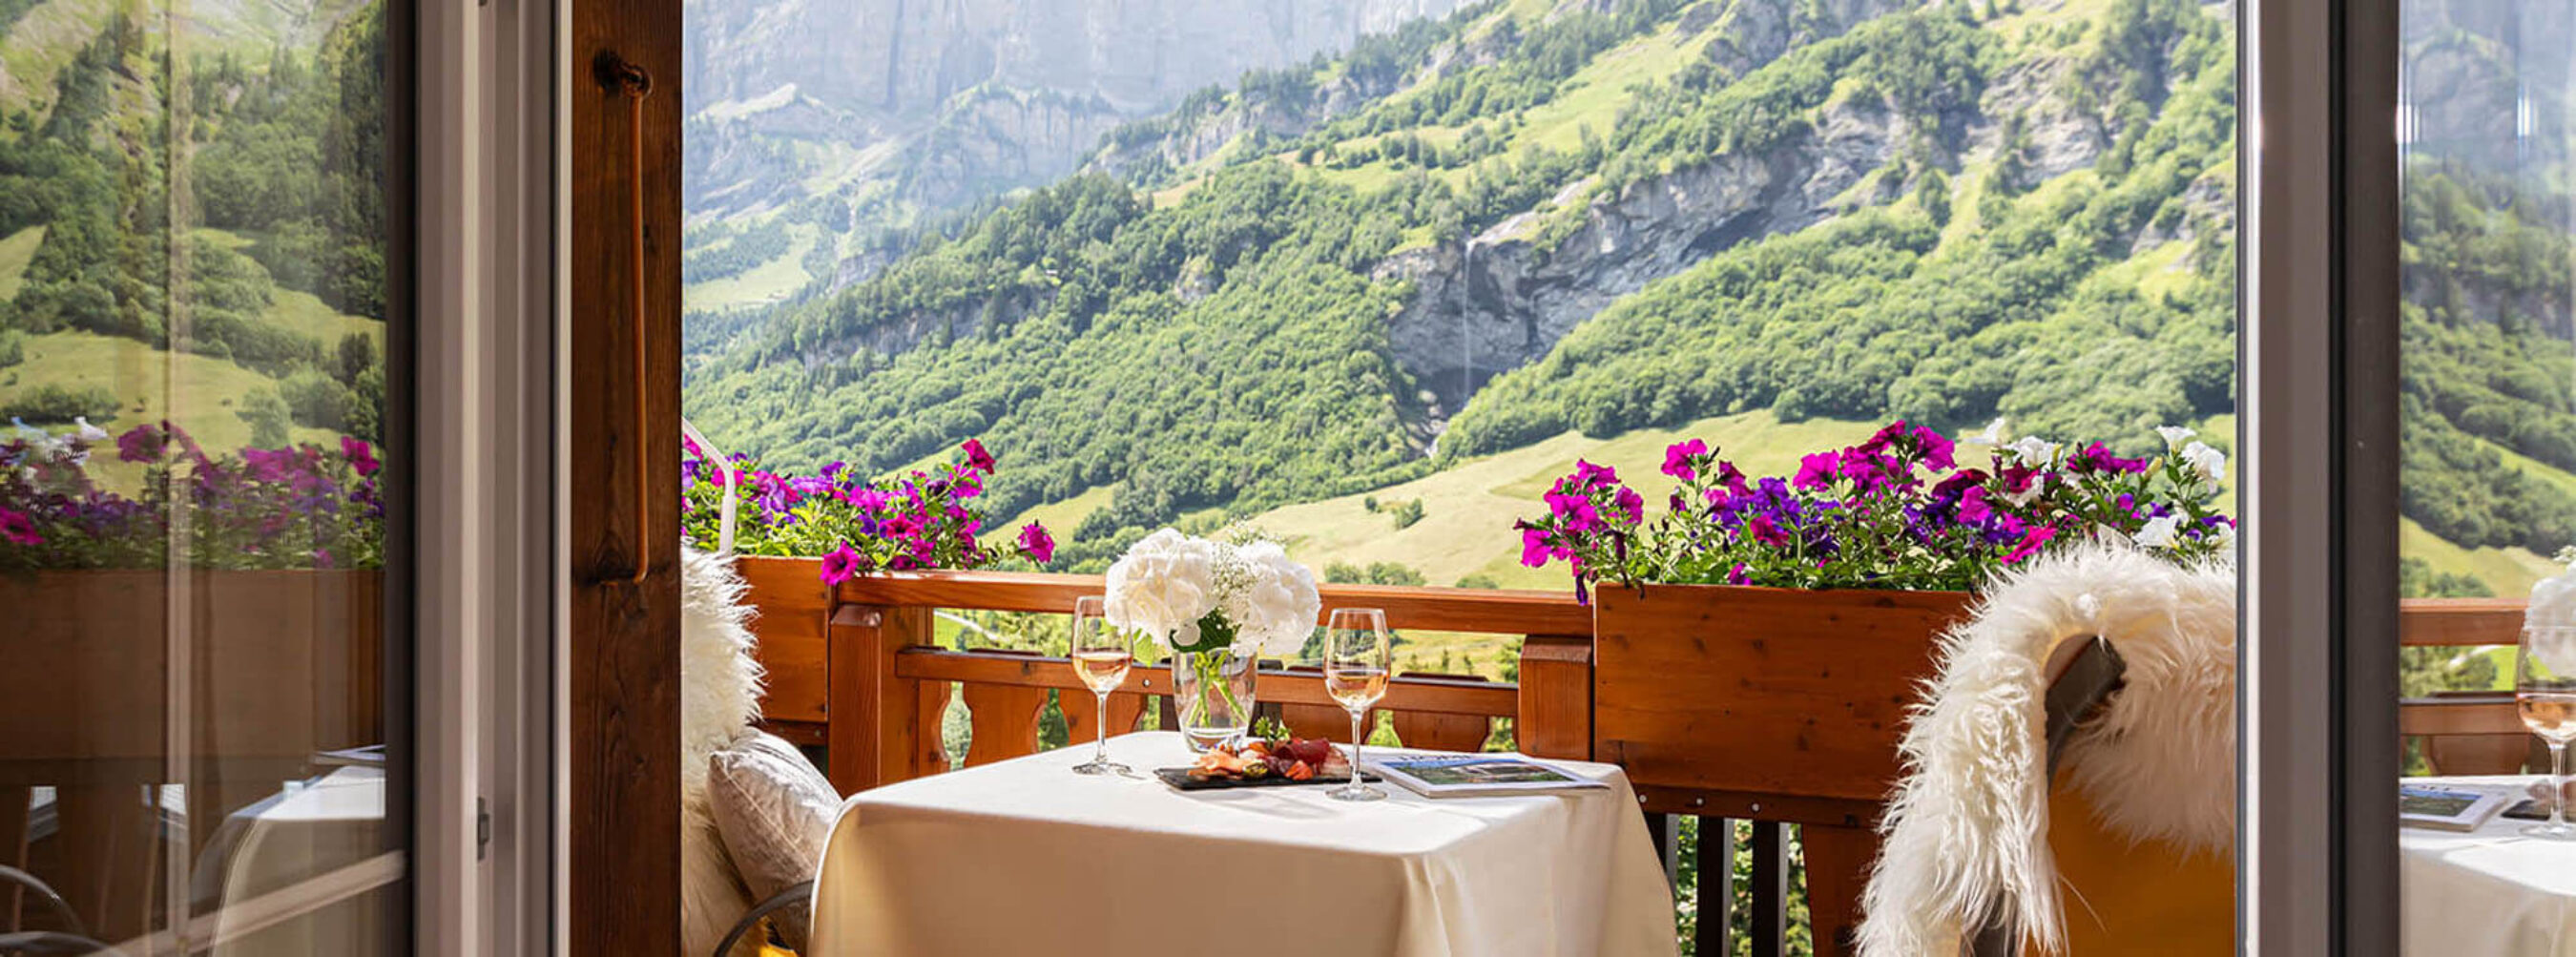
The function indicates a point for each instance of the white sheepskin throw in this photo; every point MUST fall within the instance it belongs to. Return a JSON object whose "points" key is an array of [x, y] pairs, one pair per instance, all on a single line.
{"points": [[1966, 835], [719, 696]]}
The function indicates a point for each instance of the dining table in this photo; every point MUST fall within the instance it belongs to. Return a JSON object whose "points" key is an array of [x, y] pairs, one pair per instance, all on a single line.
{"points": [[2491, 890], [1025, 856]]}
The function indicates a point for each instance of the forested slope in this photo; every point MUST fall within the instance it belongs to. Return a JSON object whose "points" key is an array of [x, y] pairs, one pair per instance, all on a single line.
{"points": [[1535, 218]]}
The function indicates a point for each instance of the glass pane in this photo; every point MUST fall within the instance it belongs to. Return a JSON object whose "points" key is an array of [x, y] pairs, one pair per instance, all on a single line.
{"points": [[193, 248], [2489, 419], [1369, 278]]}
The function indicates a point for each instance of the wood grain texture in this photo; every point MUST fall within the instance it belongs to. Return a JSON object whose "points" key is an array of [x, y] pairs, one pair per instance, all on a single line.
{"points": [[1767, 691], [795, 609], [2459, 621], [622, 659], [1555, 707], [1837, 861]]}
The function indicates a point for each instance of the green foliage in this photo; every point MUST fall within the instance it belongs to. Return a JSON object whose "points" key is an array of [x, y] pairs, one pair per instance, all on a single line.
{"points": [[1479, 580], [13, 348], [746, 251], [51, 404], [357, 354], [319, 401], [1406, 513], [267, 415], [1374, 573]]}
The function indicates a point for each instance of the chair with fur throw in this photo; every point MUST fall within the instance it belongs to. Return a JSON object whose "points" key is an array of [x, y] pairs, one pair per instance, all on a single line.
{"points": [[2070, 780]]}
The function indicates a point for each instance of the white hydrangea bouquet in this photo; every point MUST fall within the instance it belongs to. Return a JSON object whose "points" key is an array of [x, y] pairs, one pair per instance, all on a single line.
{"points": [[1218, 607]]}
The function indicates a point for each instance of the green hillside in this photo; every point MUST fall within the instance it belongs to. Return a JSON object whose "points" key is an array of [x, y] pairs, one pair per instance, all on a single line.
{"points": [[1764, 217], [215, 259]]}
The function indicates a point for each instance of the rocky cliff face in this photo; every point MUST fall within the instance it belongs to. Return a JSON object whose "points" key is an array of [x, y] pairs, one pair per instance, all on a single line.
{"points": [[1502, 299], [925, 104]]}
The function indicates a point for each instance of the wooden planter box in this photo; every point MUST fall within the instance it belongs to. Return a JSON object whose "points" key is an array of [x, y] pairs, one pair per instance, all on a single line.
{"points": [[1730, 696], [280, 664], [794, 647]]}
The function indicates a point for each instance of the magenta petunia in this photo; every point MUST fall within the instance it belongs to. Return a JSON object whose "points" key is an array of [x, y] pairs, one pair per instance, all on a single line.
{"points": [[978, 459], [841, 565], [2030, 543], [1631, 505], [142, 443], [18, 528], [1680, 459], [1534, 547], [1817, 470], [361, 456], [1973, 508], [1035, 541]]}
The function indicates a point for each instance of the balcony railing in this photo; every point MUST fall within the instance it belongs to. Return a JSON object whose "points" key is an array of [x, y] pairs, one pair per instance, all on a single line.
{"points": [[859, 671]]}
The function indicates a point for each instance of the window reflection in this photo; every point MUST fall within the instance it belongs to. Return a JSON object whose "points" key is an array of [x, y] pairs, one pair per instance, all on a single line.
{"points": [[192, 498]]}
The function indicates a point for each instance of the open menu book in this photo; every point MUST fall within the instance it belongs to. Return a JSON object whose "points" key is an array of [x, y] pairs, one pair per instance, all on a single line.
{"points": [[1478, 775], [2449, 807]]}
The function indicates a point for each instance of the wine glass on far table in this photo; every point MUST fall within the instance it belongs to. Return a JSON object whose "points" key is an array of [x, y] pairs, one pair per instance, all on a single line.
{"points": [[1358, 660], [2544, 690], [1102, 654]]}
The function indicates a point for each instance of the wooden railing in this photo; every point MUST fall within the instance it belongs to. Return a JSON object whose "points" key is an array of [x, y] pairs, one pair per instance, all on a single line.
{"points": [[858, 670], [2464, 732]]}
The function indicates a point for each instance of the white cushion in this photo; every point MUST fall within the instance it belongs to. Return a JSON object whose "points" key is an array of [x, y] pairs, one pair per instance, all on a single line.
{"points": [[775, 812]]}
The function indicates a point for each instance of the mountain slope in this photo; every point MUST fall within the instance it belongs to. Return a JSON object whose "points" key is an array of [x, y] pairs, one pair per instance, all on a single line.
{"points": [[1839, 210]]}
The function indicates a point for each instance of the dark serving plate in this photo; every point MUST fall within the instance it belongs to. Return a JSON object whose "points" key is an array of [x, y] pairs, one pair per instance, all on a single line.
{"points": [[1180, 778]]}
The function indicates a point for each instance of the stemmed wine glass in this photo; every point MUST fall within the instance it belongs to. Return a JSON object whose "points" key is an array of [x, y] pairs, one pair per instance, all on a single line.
{"points": [[2544, 690], [1102, 653], [1358, 659]]}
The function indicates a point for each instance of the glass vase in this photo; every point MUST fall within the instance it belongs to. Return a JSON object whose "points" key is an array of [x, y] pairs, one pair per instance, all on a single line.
{"points": [[1212, 695]]}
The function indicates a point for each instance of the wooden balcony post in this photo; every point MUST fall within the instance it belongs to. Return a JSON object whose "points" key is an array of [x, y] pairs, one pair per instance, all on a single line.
{"points": [[1555, 719], [881, 728]]}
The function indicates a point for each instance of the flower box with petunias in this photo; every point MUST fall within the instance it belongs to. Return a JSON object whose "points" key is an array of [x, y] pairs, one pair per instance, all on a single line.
{"points": [[1898, 511], [921, 520], [1217, 608], [1738, 610]]}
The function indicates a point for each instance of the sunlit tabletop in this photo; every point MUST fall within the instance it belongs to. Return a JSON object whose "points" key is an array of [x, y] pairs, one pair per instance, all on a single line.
{"points": [[2488, 891], [1023, 856]]}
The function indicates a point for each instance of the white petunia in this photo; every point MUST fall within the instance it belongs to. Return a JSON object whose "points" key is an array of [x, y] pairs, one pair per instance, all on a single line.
{"points": [[2174, 435], [2034, 450], [2160, 532], [1993, 435], [2210, 463], [87, 432]]}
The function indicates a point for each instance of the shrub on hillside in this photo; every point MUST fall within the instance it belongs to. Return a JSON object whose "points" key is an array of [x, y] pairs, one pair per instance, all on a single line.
{"points": [[50, 403]]}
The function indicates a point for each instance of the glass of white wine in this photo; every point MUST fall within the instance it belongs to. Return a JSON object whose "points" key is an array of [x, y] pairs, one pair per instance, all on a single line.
{"points": [[1102, 654], [1358, 660], [2544, 690]]}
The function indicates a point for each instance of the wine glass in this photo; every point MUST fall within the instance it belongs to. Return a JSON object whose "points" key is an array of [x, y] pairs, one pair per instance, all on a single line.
{"points": [[1358, 659], [2544, 690], [1102, 653]]}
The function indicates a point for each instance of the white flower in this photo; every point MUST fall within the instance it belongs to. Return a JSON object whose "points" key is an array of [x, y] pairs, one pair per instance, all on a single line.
{"points": [[1280, 602], [87, 432], [2552, 616], [2210, 463], [2159, 532], [1164, 582], [1993, 435], [2034, 450], [2224, 538], [2174, 435]]}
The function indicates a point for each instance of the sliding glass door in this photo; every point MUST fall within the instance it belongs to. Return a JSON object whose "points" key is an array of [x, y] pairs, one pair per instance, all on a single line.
{"points": [[202, 657]]}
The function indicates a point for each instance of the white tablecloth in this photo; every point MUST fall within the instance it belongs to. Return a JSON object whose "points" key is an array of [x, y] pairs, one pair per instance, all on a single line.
{"points": [[1025, 857], [2488, 891]]}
